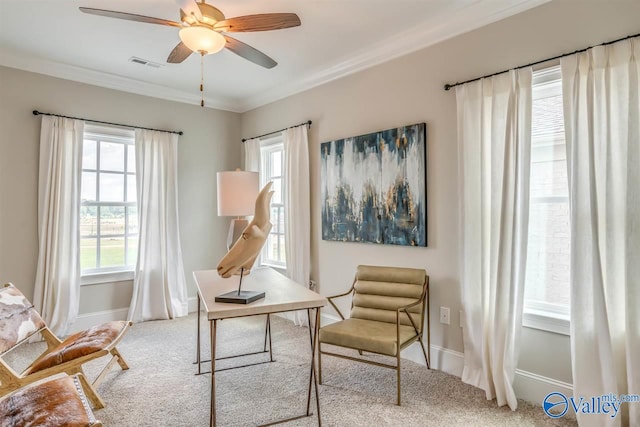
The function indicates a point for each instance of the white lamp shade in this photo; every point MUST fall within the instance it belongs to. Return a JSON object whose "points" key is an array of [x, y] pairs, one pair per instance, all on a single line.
{"points": [[237, 192], [202, 39]]}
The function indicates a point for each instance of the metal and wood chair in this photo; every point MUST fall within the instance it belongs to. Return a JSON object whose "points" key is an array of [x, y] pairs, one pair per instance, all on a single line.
{"points": [[387, 315], [47, 403], [19, 320]]}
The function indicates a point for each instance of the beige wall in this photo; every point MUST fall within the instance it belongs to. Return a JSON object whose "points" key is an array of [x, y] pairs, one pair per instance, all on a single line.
{"points": [[409, 90], [210, 143]]}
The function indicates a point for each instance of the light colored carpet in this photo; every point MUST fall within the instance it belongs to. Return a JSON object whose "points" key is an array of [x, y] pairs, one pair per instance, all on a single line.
{"points": [[161, 389]]}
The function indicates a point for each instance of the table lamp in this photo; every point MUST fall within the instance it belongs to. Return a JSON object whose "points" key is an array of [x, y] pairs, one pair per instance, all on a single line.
{"points": [[237, 192]]}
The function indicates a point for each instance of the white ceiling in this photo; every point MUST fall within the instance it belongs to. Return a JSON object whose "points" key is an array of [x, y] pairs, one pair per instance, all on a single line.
{"points": [[337, 37]]}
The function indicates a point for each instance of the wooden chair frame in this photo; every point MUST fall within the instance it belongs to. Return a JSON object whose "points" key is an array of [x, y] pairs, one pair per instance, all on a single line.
{"points": [[10, 380], [424, 298]]}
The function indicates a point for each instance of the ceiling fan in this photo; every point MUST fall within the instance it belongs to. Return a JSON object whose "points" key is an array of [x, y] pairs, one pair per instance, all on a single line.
{"points": [[203, 28]]}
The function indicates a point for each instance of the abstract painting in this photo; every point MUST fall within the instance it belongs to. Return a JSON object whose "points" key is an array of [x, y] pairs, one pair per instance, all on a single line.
{"points": [[373, 187]]}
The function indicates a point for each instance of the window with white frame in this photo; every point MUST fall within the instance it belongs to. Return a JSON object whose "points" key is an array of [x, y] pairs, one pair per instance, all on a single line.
{"points": [[108, 212], [272, 169], [547, 292]]}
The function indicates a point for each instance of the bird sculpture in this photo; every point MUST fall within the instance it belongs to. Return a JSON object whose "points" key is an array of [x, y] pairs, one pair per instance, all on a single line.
{"points": [[245, 250]]}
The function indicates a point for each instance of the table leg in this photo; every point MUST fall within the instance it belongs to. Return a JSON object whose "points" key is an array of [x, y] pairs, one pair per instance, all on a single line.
{"points": [[313, 379], [198, 337], [213, 327]]}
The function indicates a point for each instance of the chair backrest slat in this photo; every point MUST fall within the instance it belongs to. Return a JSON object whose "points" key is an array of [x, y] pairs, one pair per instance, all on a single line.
{"points": [[19, 320], [379, 291]]}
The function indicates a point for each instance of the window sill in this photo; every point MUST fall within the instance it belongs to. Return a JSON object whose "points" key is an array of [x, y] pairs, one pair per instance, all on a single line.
{"points": [[108, 277], [546, 321]]}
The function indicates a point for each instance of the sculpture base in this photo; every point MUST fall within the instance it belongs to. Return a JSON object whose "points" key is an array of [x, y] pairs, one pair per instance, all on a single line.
{"points": [[245, 297]]}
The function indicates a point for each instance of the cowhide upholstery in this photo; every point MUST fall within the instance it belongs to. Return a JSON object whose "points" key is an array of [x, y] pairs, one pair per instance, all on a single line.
{"points": [[80, 344], [18, 319], [56, 402]]}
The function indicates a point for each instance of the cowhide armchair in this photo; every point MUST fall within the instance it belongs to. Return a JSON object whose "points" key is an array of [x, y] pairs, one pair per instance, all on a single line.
{"points": [[56, 401], [19, 320]]}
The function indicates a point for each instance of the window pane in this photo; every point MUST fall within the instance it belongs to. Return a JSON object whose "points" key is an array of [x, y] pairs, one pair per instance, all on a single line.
{"points": [[131, 188], [272, 247], [89, 154], [88, 221], [88, 250], [132, 254], [548, 249], [111, 156], [277, 190], [132, 211], [111, 220], [111, 251], [88, 186], [111, 187], [131, 158], [281, 257], [276, 163], [548, 254]]}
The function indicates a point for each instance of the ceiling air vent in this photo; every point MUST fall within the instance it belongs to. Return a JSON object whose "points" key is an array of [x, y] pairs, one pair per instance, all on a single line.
{"points": [[141, 61]]}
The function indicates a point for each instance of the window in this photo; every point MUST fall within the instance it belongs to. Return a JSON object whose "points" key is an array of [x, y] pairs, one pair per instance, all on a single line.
{"points": [[272, 169], [547, 292], [108, 212]]}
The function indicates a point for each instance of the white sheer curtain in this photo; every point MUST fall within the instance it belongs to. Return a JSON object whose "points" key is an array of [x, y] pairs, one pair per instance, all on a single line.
{"points": [[57, 286], [159, 290], [602, 124], [494, 144], [252, 155], [297, 209]]}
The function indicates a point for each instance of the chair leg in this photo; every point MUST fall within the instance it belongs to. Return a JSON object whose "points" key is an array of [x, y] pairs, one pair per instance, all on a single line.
{"points": [[426, 359], [123, 364], [89, 391], [319, 362], [398, 375]]}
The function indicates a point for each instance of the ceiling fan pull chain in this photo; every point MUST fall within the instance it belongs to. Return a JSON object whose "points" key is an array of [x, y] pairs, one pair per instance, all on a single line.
{"points": [[202, 79]]}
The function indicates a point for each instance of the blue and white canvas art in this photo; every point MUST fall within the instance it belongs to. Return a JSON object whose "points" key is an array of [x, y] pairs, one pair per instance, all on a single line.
{"points": [[373, 187]]}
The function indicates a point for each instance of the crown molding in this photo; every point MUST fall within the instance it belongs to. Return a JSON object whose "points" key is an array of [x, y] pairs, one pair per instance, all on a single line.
{"points": [[466, 18], [476, 14], [14, 59]]}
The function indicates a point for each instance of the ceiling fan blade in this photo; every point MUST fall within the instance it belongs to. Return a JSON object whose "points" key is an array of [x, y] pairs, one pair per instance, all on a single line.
{"points": [[179, 54], [250, 53], [260, 22], [129, 16], [190, 7]]}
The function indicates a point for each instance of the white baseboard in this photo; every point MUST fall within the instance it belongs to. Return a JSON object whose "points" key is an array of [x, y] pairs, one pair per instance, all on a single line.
{"points": [[528, 386], [87, 320]]}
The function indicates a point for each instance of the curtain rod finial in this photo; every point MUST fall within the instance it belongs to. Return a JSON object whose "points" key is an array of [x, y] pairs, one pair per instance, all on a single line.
{"points": [[35, 112], [447, 86]]}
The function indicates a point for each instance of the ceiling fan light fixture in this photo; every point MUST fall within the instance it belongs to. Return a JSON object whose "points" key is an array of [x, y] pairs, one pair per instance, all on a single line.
{"points": [[202, 39]]}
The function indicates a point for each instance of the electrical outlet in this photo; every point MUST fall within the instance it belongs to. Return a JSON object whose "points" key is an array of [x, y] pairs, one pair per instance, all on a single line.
{"points": [[445, 315]]}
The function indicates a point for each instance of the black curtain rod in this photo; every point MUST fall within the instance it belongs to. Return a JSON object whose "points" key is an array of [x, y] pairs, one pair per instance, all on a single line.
{"points": [[449, 86], [307, 123], [40, 113]]}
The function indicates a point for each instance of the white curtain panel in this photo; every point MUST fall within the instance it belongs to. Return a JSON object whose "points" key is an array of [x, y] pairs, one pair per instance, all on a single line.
{"points": [[602, 124], [252, 155], [494, 144], [159, 290], [57, 286], [297, 211]]}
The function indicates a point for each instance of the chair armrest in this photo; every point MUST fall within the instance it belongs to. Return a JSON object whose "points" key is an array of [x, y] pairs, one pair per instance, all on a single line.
{"points": [[405, 308], [338, 296]]}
